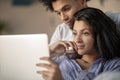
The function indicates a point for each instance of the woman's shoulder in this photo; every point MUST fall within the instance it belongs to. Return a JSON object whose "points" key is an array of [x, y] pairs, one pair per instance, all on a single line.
{"points": [[112, 64], [116, 59], [112, 60]]}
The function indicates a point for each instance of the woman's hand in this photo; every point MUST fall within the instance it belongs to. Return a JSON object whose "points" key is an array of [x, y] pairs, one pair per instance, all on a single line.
{"points": [[53, 72], [61, 47]]}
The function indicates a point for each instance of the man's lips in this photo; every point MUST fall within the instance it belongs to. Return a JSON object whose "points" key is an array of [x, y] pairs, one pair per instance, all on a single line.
{"points": [[67, 23]]}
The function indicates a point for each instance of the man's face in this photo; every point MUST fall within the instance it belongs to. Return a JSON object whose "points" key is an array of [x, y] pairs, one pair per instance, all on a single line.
{"points": [[66, 9]]}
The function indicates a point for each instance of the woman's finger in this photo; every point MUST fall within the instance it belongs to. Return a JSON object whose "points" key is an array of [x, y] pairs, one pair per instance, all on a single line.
{"points": [[47, 66], [51, 63], [45, 74]]}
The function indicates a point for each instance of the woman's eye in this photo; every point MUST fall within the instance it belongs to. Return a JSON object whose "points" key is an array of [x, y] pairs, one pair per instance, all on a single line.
{"points": [[86, 33]]}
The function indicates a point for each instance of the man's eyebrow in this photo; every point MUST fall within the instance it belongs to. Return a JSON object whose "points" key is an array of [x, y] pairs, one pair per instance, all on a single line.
{"points": [[61, 8], [64, 7]]}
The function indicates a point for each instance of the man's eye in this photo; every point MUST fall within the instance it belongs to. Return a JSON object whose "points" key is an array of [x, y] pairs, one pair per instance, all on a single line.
{"points": [[57, 13], [74, 33]]}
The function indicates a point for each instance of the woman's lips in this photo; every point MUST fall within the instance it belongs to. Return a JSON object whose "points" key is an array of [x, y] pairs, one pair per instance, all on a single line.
{"points": [[80, 46]]}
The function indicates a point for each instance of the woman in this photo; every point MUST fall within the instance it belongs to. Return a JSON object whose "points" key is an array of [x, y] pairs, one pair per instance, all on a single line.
{"points": [[96, 41]]}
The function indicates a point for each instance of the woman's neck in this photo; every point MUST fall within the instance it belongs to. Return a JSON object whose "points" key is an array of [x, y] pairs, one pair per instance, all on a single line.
{"points": [[87, 60]]}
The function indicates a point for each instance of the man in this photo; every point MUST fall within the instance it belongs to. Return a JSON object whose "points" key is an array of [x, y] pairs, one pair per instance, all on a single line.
{"points": [[66, 9]]}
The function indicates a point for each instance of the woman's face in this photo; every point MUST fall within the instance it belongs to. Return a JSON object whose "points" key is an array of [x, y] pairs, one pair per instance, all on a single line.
{"points": [[83, 38]]}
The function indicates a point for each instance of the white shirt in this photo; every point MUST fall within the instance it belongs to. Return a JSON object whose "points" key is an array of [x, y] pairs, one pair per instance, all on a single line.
{"points": [[62, 32]]}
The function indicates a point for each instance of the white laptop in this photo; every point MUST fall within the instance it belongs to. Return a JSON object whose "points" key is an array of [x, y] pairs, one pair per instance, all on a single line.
{"points": [[19, 55]]}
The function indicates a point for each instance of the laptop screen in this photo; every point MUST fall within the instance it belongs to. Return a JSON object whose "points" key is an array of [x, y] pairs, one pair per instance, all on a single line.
{"points": [[19, 55]]}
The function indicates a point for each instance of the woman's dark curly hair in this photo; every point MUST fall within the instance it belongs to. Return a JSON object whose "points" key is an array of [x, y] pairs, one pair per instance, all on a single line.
{"points": [[48, 3]]}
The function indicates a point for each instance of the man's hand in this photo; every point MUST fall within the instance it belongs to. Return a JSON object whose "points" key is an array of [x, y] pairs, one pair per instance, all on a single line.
{"points": [[61, 47]]}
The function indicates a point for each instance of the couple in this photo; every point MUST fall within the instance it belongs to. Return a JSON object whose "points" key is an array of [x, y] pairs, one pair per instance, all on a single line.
{"points": [[95, 43]]}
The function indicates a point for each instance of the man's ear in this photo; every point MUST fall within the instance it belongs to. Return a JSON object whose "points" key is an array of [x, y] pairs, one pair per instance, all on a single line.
{"points": [[84, 3]]}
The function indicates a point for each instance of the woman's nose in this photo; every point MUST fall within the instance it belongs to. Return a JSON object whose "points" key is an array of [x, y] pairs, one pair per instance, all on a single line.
{"points": [[78, 39]]}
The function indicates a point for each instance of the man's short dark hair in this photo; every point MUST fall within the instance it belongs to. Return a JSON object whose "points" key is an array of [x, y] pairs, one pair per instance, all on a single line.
{"points": [[48, 3]]}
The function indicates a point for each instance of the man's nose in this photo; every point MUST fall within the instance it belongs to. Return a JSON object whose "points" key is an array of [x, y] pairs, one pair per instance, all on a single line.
{"points": [[63, 17]]}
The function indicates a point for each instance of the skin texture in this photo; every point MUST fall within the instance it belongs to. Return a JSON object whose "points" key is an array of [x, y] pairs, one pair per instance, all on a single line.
{"points": [[66, 9]]}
